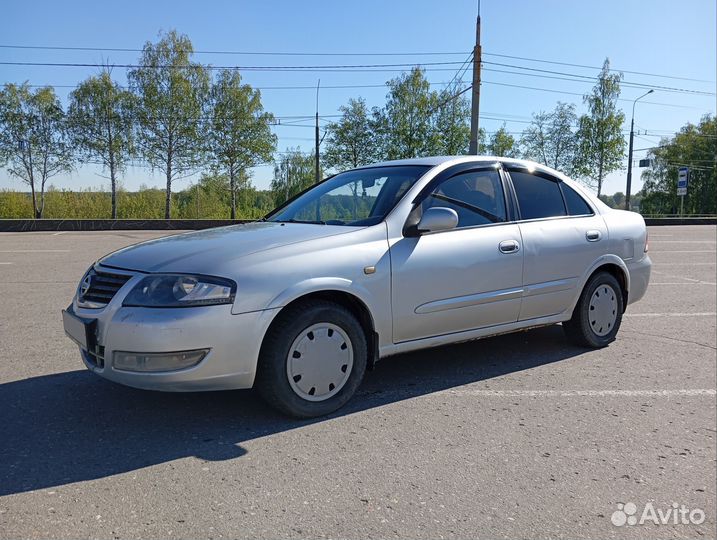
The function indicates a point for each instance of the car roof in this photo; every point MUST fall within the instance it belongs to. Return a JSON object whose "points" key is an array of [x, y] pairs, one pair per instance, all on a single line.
{"points": [[433, 161]]}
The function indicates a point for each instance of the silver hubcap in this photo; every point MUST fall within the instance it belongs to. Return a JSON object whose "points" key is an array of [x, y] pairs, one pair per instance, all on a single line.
{"points": [[602, 313], [319, 362]]}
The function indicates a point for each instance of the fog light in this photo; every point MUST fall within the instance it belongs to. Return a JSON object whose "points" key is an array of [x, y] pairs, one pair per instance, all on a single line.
{"points": [[169, 361]]}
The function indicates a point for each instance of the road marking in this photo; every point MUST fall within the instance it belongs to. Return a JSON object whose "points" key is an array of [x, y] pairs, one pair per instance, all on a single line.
{"points": [[696, 314], [34, 251], [681, 283], [691, 280], [652, 251], [686, 264], [579, 393], [5, 263], [684, 241], [58, 233]]}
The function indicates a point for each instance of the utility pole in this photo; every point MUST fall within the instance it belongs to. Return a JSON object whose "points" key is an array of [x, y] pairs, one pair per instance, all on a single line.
{"points": [[317, 173], [475, 102], [629, 152]]}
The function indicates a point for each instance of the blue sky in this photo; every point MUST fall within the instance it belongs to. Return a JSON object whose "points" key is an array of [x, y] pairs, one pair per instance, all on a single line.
{"points": [[657, 37]]}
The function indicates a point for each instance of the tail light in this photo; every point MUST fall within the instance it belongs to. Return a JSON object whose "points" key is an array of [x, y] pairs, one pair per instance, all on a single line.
{"points": [[646, 242]]}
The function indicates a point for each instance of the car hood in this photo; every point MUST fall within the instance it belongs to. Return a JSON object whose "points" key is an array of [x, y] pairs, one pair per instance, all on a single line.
{"points": [[211, 250]]}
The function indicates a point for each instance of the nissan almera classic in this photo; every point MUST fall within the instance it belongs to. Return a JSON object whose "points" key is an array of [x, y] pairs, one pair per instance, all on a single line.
{"points": [[375, 261]]}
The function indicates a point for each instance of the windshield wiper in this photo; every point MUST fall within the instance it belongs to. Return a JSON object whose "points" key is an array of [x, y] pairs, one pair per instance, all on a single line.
{"points": [[292, 220]]}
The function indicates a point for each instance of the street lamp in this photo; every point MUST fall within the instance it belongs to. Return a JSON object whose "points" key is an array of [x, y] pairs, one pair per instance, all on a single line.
{"points": [[629, 159]]}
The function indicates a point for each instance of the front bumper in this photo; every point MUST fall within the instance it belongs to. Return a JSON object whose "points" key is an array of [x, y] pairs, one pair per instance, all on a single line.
{"points": [[233, 342]]}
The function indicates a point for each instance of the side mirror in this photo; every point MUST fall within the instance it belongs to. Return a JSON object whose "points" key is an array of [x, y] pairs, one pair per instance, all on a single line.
{"points": [[437, 219]]}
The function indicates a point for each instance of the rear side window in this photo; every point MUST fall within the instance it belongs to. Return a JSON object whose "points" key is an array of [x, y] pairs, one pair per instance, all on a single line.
{"points": [[538, 197], [575, 203]]}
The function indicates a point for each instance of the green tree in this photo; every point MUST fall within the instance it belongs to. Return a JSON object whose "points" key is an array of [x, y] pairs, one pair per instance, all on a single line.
{"points": [[350, 141], [601, 143], [292, 174], [502, 144], [695, 147], [240, 130], [618, 199], [406, 123], [453, 124], [100, 122], [33, 139], [172, 96], [551, 138]]}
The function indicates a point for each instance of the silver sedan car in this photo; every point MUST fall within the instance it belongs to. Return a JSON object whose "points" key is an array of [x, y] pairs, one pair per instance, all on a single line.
{"points": [[372, 262]]}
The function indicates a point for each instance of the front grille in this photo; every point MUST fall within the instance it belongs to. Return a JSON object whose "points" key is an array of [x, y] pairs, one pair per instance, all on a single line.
{"points": [[95, 357], [102, 286]]}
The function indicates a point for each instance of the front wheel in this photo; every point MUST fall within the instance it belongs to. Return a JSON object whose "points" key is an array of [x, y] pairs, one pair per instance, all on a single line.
{"points": [[598, 313], [312, 360]]}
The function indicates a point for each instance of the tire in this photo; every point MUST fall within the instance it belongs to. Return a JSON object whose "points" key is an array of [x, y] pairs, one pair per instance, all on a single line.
{"points": [[293, 356], [598, 314]]}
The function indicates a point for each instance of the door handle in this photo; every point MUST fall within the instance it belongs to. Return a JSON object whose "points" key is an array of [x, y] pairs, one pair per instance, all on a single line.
{"points": [[509, 246], [593, 236]]}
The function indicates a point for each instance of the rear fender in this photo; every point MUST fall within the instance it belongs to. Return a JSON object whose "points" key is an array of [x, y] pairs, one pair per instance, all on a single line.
{"points": [[602, 261]]}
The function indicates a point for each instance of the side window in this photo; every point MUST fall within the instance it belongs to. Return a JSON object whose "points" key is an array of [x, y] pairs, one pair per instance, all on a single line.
{"points": [[538, 197], [476, 196], [576, 204]]}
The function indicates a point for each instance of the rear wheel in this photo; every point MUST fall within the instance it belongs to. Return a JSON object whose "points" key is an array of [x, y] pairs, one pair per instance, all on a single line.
{"points": [[312, 360], [598, 313]]}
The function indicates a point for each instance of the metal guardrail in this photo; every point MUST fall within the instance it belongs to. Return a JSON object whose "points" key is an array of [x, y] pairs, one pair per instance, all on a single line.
{"points": [[682, 216], [680, 220], [36, 225], [30, 225]]}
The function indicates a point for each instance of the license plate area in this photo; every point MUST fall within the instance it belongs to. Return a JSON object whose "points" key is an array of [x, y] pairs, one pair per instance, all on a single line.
{"points": [[81, 331]]}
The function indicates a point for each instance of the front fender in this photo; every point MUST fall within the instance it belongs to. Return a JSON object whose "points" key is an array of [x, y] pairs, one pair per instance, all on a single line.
{"points": [[313, 285]]}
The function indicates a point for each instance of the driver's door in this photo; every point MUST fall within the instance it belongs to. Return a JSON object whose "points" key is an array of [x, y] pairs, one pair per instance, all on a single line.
{"points": [[464, 278]]}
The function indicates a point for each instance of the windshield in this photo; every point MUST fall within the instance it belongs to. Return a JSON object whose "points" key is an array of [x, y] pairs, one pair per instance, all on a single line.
{"points": [[358, 198]]}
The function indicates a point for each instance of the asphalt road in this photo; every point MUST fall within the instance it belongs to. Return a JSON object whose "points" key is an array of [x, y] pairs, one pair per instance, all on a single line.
{"points": [[515, 436]]}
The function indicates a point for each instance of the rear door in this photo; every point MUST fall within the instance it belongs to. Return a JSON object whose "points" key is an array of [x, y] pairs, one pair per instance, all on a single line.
{"points": [[562, 237]]}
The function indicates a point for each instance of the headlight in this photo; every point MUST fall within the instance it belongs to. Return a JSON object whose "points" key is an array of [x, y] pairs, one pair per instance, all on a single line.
{"points": [[173, 290]]}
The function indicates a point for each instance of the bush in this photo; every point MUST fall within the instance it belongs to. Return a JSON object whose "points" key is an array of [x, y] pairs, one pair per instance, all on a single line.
{"points": [[205, 200]]}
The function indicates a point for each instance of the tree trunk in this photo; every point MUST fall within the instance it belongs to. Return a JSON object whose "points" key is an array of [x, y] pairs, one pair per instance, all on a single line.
{"points": [[41, 208], [34, 199], [168, 198], [113, 183], [31, 177], [233, 191], [113, 179]]}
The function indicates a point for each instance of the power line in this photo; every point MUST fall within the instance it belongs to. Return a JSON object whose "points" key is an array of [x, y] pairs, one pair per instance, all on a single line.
{"points": [[383, 85], [466, 64], [358, 68], [262, 88], [353, 54], [583, 66], [554, 91], [562, 76], [237, 53], [328, 67]]}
